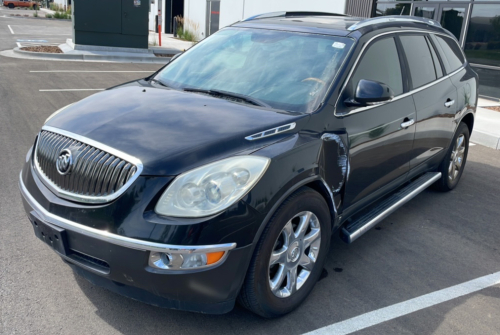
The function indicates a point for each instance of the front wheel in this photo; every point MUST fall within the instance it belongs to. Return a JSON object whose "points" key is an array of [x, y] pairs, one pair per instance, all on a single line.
{"points": [[453, 163], [289, 257], [11, 5], [34, 7]]}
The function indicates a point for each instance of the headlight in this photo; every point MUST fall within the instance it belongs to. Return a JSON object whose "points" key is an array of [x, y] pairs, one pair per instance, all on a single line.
{"points": [[57, 112], [211, 188]]}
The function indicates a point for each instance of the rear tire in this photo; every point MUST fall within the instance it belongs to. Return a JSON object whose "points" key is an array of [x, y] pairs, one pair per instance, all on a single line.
{"points": [[34, 7], [289, 257], [11, 5], [453, 163]]}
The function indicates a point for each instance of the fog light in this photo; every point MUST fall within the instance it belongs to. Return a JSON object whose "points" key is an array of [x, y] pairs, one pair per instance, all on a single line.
{"points": [[179, 261], [163, 260]]}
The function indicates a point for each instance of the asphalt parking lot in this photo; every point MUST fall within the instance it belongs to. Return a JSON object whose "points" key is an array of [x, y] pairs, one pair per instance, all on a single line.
{"points": [[387, 282]]}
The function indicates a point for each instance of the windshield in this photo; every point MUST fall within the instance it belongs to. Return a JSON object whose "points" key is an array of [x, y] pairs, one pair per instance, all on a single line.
{"points": [[285, 70]]}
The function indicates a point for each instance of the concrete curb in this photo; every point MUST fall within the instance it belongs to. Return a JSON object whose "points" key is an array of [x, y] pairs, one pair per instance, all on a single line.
{"points": [[88, 58], [36, 18], [486, 139]]}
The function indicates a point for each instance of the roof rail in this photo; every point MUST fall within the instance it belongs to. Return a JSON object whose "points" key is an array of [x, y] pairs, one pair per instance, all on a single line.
{"points": [[393, 18], [291, 14]]}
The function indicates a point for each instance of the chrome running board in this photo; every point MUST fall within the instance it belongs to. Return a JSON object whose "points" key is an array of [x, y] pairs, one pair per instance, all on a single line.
{"points": [[353, 230]]}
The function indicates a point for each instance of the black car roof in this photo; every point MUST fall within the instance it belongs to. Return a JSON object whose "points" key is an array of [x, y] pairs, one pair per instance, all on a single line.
{"points": [[334, 24]]}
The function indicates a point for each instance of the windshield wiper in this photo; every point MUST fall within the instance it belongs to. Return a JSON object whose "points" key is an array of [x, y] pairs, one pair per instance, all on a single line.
{"points": [[223, 94], [159, 82]]}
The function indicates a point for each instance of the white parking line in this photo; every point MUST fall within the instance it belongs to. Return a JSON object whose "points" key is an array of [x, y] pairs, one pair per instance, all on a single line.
{"points": [[10, 28], [78, 71], [72, 89], [403, 308]]}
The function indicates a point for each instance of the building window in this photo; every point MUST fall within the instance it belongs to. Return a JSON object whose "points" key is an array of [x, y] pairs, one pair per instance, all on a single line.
{"points": [[483, 37], [392, 9]]}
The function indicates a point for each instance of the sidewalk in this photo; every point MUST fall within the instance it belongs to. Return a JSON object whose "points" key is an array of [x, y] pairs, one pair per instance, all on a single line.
{"points": [[48, 11], [487, 125], [168, 42]]}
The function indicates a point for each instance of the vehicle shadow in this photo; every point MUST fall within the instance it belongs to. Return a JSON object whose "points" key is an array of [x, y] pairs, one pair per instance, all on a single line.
{"points": [[426, 245]]}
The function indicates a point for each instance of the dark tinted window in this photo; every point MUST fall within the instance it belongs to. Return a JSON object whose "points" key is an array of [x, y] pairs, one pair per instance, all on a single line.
{"points": [[451, 51], [419, 59], [437, 64], [482, 45], [380, 63]]}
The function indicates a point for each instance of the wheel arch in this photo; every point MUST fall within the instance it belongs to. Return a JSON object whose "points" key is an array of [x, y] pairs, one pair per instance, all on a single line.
{"points": [[468, 119], [314, 182]]}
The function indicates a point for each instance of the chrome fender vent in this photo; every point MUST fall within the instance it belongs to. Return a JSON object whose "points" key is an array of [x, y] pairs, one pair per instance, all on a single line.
{"points": [[271, 132]]}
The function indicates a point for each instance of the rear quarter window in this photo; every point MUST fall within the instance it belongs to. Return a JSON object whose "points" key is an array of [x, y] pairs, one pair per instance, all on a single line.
{"points": [[450, 53]]}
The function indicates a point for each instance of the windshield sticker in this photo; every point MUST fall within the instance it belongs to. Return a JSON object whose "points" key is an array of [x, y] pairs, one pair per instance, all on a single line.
{"points": [[338, 45]]}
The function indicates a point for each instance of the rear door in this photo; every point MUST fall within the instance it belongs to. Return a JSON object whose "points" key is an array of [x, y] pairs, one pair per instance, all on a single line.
{"points": [[379, 146], [454, 65], [434, 97]]}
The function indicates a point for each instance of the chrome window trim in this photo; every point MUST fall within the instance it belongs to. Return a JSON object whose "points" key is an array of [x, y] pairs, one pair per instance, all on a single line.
{"points": [[489, 67], [85, 198], [401, 96], [385, 19], [106, 236]]}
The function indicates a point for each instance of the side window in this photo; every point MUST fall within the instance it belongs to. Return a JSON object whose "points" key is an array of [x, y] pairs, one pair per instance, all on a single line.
{"points": [[419, 58], [380, 63], [450, 50], [437, 64]]}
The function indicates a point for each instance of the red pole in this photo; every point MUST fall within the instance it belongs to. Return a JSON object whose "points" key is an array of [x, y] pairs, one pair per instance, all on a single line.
{"points": [[159, 25]]}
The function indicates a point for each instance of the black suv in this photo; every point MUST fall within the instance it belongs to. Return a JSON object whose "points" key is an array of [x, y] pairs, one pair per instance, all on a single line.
{"points": [[223, 176]]}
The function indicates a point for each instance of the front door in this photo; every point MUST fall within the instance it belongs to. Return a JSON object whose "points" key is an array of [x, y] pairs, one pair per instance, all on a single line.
{"points": [[379, 144]]}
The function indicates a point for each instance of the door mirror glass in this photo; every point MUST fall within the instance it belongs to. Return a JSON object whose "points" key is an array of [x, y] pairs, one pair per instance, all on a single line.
{"points": [[370, 92]]}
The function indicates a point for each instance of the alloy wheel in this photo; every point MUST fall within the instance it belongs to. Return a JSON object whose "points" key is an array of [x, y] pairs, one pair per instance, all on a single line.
{"points": [[294, 254], [456, 158]]}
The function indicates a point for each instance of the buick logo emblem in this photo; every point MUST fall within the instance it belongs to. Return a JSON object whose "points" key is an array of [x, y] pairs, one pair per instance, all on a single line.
{"points": [[64, 162]]}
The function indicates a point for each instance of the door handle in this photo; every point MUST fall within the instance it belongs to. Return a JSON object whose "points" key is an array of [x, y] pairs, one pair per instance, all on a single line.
{"points": [[407, 124], [449, 103]]}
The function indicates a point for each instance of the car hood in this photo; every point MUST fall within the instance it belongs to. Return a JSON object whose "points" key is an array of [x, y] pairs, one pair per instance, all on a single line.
{"points": [[171, 131]]}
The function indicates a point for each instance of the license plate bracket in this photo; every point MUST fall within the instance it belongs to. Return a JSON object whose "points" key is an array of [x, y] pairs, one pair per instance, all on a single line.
{"points": [[52, 235]]}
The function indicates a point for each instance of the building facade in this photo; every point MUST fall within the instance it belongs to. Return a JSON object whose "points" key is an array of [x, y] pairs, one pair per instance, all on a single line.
{"points": [[476, 24], [208, 16]]}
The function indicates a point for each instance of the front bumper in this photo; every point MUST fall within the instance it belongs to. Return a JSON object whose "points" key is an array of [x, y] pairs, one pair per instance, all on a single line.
{"points": [[120, 264]]}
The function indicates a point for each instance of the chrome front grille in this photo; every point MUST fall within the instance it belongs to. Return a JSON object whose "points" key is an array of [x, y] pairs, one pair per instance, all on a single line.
{"points": [[98, 173]]}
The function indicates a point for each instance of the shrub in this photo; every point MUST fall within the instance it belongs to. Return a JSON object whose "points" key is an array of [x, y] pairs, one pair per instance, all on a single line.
{"points": [[35, 14], [61, 15], [48, 16], [186, 29]]}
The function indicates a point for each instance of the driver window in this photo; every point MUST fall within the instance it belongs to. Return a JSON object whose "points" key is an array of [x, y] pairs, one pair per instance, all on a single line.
{"points": [[380, 63]]}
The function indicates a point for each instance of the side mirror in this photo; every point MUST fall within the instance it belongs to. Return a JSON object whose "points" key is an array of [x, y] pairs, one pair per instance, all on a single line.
{"points": [[370, 92]]}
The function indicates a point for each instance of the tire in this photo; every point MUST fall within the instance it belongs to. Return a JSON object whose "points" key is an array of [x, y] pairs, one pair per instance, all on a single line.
{"points": [[11, 5], [449, 169], [256, 294], [34, 7]]}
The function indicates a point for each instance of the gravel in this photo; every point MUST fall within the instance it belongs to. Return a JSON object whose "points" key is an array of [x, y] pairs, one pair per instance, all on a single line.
{"points": [[43, 48]]}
